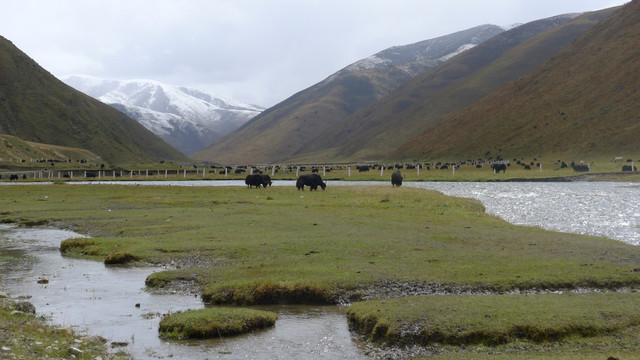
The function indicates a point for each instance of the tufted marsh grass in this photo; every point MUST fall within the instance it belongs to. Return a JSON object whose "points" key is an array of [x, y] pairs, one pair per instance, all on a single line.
{"points": [[279, 245]]}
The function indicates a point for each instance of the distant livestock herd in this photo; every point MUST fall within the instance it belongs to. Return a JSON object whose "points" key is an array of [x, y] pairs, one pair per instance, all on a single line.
{"points": [[311, 180]]}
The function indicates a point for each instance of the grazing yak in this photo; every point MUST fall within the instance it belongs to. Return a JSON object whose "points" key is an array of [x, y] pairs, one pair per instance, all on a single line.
{"points": [[499, 167], [396, 179], [310, 180], [266, 180], [257, 180]]}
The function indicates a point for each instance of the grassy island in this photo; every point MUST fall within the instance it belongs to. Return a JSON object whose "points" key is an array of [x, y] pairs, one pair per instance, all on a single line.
{"points": [[215, 322]]}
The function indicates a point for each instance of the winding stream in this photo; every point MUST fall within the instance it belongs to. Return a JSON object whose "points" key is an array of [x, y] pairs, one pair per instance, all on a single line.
{"points": [[111, 302]]}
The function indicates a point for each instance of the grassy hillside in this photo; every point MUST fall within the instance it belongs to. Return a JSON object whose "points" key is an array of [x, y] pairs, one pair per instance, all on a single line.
{"points": [[429, 98], [286, 129], [14, 150], [35, 106], [583, 102]]}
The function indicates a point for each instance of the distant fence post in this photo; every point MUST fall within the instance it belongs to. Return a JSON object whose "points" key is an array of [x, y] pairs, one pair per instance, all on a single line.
{"points": [[381, 170], [324, 171], [349, 171], [165, 173], [297, 170], [185, 173], [454, 169], [418, 169], [273, 170], [225, 171], [540, 167], [204, 171]]}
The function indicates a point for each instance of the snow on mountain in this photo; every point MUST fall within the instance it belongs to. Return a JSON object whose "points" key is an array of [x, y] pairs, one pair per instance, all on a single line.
{"points": [[461, 49], [418, 57], [186, 118]]}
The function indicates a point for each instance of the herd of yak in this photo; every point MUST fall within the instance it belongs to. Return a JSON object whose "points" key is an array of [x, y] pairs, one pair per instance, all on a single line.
{"points": [[310, 180]]}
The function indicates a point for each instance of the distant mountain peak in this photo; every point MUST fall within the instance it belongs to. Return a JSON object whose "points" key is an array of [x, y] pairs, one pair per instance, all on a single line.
{"points": [[188, 119]]}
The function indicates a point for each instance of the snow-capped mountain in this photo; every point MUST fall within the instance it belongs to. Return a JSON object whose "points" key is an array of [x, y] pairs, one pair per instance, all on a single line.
{"points": [[418, 57], [186, 118]]}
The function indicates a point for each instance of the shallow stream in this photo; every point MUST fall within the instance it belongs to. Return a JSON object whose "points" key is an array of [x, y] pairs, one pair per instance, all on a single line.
{"points": [[110, 301]]}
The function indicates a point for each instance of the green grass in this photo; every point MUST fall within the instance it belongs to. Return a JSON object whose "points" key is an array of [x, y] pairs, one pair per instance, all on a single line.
{"points": [[494, 319], [279, 245], [214, 323], [318, 244]]}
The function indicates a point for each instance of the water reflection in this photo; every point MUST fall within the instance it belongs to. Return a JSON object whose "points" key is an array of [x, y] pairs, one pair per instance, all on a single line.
{"points": [[595, 208]]}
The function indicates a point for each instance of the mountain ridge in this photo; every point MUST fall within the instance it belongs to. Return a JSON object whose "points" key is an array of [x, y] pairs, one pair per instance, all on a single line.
{"points": [[427, 99], [285, 129], [583, 101], [36, 106], [189, 119]]}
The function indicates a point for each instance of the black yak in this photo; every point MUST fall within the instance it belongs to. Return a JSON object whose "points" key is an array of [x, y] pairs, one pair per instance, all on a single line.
{"points": [[266, 180], [396, 179], [256, 180], [310, 180], [499, 167]]}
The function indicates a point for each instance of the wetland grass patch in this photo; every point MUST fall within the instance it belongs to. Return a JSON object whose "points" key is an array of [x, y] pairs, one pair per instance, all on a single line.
{"points": [[214, 323], [494, 319], [327, 243], [280, 245]]}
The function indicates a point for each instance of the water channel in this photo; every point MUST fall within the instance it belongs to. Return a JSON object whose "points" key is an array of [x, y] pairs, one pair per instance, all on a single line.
{"points": [[111, 302]]}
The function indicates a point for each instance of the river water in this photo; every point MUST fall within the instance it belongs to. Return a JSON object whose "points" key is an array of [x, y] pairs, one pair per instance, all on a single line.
{"points": [[607, 209], [111, 301]]}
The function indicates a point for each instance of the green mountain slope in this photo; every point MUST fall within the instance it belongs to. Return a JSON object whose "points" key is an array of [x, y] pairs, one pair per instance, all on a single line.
{"points": [[14, 150], [429, 98], [287, 128], [583, 102], [35, 106]]}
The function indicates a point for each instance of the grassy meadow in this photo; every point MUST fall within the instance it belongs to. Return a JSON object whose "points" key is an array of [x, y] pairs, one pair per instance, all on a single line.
{"points": [[245, 246]]}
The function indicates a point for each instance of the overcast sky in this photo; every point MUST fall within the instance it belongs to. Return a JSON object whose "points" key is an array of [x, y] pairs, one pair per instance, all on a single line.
{"points": [[255, 51]]}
